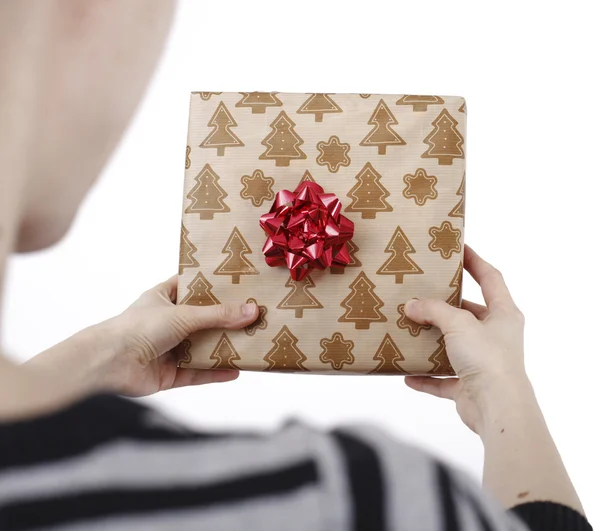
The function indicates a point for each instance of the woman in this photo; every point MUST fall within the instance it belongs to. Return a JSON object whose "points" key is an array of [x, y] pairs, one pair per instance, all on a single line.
{"points": [[72, 456]]}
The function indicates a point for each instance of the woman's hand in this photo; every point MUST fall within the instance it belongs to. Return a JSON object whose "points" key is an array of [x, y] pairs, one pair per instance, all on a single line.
{"points": [[484, 344], [132, 354]]}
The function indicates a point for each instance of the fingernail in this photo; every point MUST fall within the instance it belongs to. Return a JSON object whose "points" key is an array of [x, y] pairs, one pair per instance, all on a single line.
{"points": [[410, 304], [249, 309]]}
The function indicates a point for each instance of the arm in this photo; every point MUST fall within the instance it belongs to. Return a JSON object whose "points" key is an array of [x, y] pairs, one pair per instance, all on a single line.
{"points": [[492, 392], [131, 354]]}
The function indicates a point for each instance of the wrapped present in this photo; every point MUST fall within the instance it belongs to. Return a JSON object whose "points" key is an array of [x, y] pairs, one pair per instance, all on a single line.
{"points": [[329, 211]]}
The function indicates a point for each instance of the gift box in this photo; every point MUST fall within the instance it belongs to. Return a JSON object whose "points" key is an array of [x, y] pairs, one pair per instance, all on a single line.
{"points": [[329, 211]]}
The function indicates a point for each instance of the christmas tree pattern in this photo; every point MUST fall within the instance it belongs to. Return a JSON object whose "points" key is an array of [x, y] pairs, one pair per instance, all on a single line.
{"points": [[463, 108], [259, 101], [299, 299], [354, 261], [307, 177], [333, 154], [406, 323], [420, 186], [206, 95], [420, 103], [186, 251], [283, 143], [388, 354], [399, 264], [188, 161], [382, 134], [285, 355], [337, 351], [207, 195], [224, 355], [455, 298], [258, 188], [221, 137], [459, 210], [362, 305], [445, 142], [200, 293], [441, 363], [445, 239], [368, 194], [236, 264], [261, 321], [182, 352], [319, 104]]}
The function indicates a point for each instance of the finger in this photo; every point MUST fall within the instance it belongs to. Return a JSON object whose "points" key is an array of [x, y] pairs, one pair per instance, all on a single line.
{"points": [[492, 283], [232, 316], [438, 313], [187, 377], [168, 288], [478, 310], [441, 387]]}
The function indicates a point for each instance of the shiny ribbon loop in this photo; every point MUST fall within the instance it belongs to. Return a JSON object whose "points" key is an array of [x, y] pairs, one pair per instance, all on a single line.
{"points": [[306, 231]]}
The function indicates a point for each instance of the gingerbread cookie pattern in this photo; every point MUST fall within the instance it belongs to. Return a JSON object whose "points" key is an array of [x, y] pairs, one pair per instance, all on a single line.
{"points": [[420, 186], [259, 101], [389, 356], [441, 363], [459, 210], [420, 103], [368, 194], [225, 355], [206, 95], [399, 264], [200, 293], [445, 142], [188, 161], [463, 108], [222, 136], [354, 261], [299, 299], [406, 323], [445, 239], [285, 355], [182, 352], [261, 321], [319, 104], [455, 297], [362, 304], [283, 143], [382, 135], [333, 154], [337, 351], [207, 196], [186, 251], [365, 96], [236, 264], [258, 188]]}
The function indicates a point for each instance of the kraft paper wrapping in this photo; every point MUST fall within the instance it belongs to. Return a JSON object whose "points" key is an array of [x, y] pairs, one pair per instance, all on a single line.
{"points": [[396, 162]]}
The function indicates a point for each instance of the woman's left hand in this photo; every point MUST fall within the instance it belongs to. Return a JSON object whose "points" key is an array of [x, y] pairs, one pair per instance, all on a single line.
{"points": [[132, 354]]}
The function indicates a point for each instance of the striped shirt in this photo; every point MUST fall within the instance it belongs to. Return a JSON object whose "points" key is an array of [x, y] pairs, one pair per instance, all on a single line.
{"points": [[111, 464]]}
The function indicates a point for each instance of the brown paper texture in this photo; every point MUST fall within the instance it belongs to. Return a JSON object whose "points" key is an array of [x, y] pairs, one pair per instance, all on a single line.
{"points": [[397, 163]]}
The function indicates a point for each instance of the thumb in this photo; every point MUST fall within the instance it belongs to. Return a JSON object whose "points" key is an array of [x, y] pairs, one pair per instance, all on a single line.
{"points": [[438, 313], [230, 315]]}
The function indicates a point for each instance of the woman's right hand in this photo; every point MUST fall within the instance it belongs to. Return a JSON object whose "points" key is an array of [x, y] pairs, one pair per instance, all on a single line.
{"points": [[484, 344]]}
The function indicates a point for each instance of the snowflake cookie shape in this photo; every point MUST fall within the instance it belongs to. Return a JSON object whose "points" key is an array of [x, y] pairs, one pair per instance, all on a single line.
{"points": [[261, 321], [420, 186], [258, 188], [337, 351], [333, 154], [406, 323], [445, 239]]}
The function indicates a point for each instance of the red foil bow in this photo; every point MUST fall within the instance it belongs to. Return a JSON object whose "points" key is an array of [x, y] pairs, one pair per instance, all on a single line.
{"points": [[306, 231]]}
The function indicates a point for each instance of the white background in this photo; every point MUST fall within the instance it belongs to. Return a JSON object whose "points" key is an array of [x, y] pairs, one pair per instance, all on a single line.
{"points": [[527, 70]]}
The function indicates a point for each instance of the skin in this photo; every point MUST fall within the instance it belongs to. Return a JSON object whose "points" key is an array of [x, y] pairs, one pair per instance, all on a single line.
{"points": [[72, 73]]}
